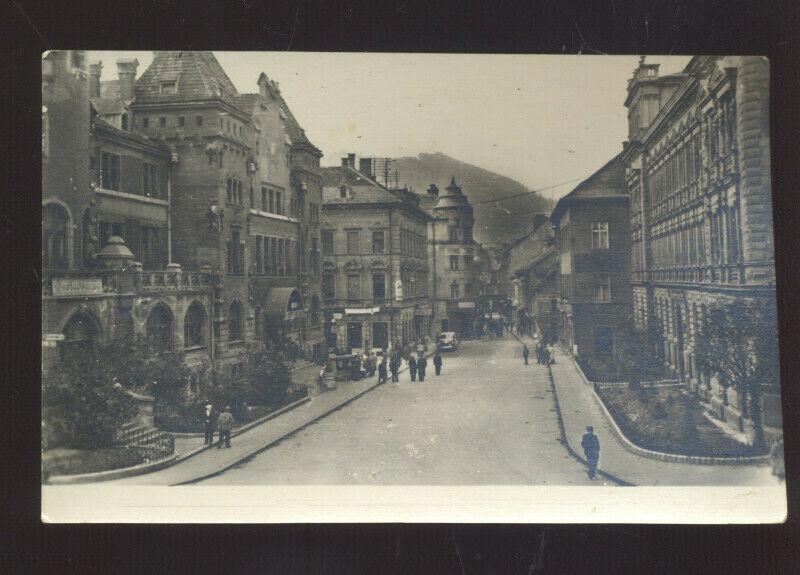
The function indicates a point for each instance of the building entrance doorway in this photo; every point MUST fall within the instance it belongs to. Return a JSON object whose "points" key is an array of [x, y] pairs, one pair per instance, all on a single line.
{"points": [[355, 336], [380, 334]]}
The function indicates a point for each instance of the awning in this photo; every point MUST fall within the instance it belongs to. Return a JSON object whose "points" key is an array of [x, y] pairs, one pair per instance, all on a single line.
{"points": [[283, 302]]}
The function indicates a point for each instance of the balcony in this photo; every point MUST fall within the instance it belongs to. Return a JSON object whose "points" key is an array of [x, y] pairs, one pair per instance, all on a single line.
{"points": [[170, 281]]}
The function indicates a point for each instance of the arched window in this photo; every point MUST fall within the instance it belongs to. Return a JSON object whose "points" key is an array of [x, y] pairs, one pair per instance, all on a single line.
{"points": [[239, 196], [80, 334], [125, 122], [235, 322], [159, 329], [55, 227], [194, 326], [229, 191]]}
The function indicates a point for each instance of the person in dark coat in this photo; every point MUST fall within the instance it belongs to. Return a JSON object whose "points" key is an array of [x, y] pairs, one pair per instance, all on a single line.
{"points": [[540, 353], [412, 367], [394, 367], [225, 425], [382, 371], [437, 362], [591, 448], [208, 422], [525, 353], [422, 364]]}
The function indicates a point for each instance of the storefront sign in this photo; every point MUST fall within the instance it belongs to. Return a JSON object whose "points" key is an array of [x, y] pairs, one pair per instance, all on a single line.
{"points": [[337, 316], [53, 336], [77, 286], [364, 310], [466, 305]]}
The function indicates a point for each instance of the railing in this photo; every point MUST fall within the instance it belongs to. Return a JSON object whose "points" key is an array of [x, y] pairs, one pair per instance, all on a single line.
{"points": [[79, 283], [171, 281]]}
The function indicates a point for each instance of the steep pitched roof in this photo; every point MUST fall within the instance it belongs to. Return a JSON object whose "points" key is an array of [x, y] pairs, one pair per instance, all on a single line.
{"points": [[364, 190], [198, 76], [109, 106], [607, 182], [247, 102], [296, 133], [102, 124]]}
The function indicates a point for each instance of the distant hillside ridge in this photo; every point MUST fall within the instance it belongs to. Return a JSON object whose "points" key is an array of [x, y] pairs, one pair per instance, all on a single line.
{"points": [[495, 222]]}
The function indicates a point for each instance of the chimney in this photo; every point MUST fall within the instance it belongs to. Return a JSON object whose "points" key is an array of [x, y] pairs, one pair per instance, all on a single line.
{"points": [[126, 70], [351, 159], [365, 167], [433, 190], [95, 71]]}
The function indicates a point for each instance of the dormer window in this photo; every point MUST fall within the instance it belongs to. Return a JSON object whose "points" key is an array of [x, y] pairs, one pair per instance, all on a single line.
{"points": [[342, 191], [125, 122], [168, 87]]}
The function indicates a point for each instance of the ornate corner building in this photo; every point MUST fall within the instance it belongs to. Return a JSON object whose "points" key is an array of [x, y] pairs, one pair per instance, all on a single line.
{"points": [[697, 169]]}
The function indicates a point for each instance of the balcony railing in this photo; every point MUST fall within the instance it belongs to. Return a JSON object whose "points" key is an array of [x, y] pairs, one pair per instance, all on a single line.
{"points": [[171, 281]]}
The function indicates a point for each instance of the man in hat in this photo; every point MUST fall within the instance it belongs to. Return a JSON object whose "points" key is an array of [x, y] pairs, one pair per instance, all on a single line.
{"points": [[208, 422], [437, 362], [225, 425], [591, 448], [422, 365], [394, 367], [382, 370], [525, 353], [412, 367]]}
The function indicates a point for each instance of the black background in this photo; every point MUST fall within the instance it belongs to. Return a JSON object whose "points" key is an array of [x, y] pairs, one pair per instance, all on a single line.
{"points": [[606, 26]]}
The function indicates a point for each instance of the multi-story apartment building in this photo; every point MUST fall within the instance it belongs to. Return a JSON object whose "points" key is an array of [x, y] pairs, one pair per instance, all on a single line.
{"points": [[697, 168], [374, 252], [456, 278], [106, 222], [593, 246]]}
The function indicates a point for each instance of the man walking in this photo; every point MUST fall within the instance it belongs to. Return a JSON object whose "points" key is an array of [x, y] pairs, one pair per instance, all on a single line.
{"points": [[394, 367], [525, 353], [422, 364], [591, 448], [225, 425], [208, 423], [412, 367], [437, 362]]}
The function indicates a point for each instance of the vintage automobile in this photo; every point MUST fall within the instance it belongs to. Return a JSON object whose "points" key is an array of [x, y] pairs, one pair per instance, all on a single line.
{"points": [[341, 368], [448, 341]]}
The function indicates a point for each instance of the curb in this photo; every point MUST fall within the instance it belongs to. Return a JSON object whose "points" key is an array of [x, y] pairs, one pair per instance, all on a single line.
{"points": [[660, 455], [112, 473], [563, 431], [255, 452]]}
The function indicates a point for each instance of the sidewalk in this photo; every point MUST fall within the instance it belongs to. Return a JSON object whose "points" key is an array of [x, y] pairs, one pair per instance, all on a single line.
{"points": [[579, 409], [213, 461]]}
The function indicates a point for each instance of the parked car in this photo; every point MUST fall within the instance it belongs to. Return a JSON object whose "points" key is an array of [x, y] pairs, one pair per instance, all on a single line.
{"points": [[448, 341]]}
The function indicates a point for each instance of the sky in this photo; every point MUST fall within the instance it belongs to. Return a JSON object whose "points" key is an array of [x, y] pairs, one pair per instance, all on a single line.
{"points": [[545, 121]]}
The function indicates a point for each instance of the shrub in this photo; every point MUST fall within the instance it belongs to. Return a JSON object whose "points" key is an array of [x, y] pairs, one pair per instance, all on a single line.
{"points": [[269, 377]]}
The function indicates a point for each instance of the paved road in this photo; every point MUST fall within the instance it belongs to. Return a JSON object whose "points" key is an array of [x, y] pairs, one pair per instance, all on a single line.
{"points": [[487, 420]]}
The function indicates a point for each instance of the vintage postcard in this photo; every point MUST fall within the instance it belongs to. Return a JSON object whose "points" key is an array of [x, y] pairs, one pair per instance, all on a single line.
{"points": [[323, 287]]}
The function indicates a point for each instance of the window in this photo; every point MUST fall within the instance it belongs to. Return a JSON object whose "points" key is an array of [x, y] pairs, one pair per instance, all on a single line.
{"points": [[327, 243], [454, 235], [125, 122], [600, 236], [150, 253], [110, 171], [377, 243], [468, 290], [159, 329], [168, 87], [454, 262], [271, 206], [239, 195], [235, 322], [278, 202], [353, 286], [150, 182], [252, 197], [54, 237], [378, 287], [352, 242], [328, 286], [315, 256], [235, 252], [162, 121], [343, 191], [194, 325], [229, 191], [145, 123], [602, 288], [258, 261], [454, 290], [181, 121], [198, 120]]}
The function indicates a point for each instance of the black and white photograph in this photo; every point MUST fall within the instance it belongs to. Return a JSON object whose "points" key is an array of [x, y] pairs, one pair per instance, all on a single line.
{"points": [[432, 287]]}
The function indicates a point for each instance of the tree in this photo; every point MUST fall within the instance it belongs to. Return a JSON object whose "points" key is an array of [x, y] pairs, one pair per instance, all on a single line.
{"points": [[637, 353], [92, 402], [269, 376], [739, 343]]}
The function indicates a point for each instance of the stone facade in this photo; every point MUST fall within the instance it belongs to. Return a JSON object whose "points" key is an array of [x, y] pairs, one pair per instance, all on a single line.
{"points": [[375, 271], [698, 174], [593, 245]]}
